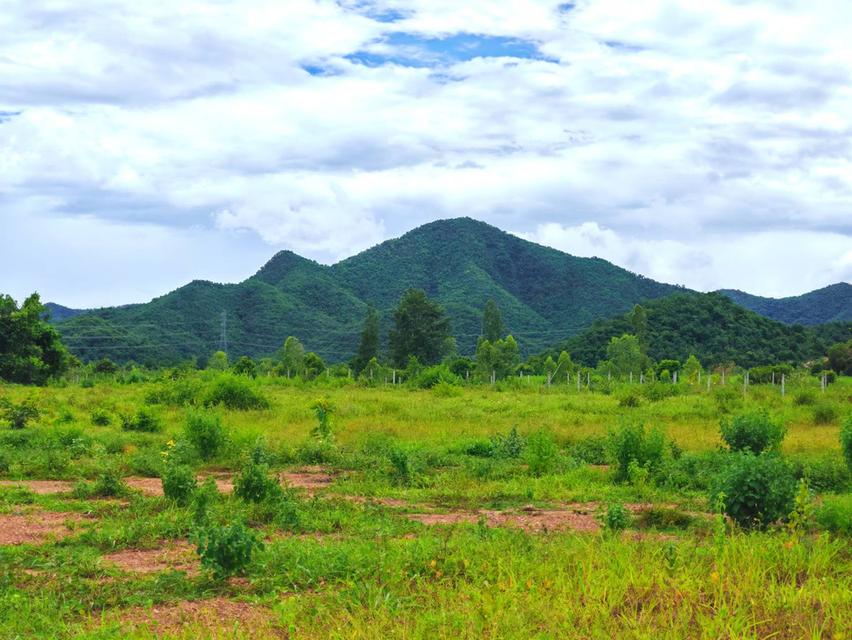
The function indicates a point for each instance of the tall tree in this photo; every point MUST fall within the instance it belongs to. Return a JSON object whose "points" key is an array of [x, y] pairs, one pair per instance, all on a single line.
{"points": [[421, 329], [292, 356], [31, 351], [492, 322], [368, 348], [639, 321], [625, 354]]}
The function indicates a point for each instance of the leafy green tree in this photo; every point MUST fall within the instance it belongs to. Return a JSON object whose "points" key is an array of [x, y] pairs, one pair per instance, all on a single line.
{"points": [[691, 369], [486, 359], [245, 366], [106, 366], [500, 358], [549, 367], [421, 329], [313, 365], [31, 351], [639, 321], [492, 322], [564, 365], [292, 356], [625, 354], [368, 348], [218, 361], [840, 357]]}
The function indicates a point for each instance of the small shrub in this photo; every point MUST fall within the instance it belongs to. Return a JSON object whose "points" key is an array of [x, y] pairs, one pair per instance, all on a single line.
{"points": [[753, 431], [591, 450], [203, 429], [179, 483], [835, 514], [5, 462], [254, 483], [202, 500], [541, 453], [630, 400], [824, 414], [616, 518], [235, 392], [144, 420], [446, 390], [109, 484], [433, 376], [323, 409], [226, 550], [846, 440], [662, 518], [402, 468], [101, 418], [756, 490], [804, 397], [632, 443], [17, 415], [511, 445], [728, 399], [826, 473]]}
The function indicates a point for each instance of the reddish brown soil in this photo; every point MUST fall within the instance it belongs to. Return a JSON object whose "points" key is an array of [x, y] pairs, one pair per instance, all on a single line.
{"points": [[214, 618], [41, 487], [175, 556], [36, 527], [529, 519], [308, 478]]}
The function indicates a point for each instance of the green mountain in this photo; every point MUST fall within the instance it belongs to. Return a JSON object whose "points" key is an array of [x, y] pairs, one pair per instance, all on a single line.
{"points": [[829, 304], [544, 295], [714, 329]]}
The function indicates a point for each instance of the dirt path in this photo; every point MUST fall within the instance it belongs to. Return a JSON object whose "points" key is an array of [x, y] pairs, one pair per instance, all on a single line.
{"points": [[36, 527], [171, 556], [41, 487]]}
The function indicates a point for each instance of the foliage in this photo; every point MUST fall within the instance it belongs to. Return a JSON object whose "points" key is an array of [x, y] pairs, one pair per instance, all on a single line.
{"points": [[368, 347], [616, 518], [100, 417], [541, 453], [824, 413], [144, 420], [254, 484], [218, 361], [179, 483], [312, 366], [508, 446], [204, 430], [492, 322], [31, 351], [17, 415], [499, 358], [421, 329], [625, 354], [757, 490], [227, 550], [323, 410], [245, 366], [840, 357], [439, 374], [631, 443], [234, 392], [753, 431], [846, 440], [829, 304], [109, 484], [292, 357]]}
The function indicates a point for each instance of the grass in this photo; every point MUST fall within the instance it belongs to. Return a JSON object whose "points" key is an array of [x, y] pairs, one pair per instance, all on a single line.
{"points": [[347, 562]]}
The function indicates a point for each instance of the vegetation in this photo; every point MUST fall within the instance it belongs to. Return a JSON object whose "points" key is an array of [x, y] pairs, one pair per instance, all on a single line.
{"points": [[30, 349], [421, 330], [829, 304]]}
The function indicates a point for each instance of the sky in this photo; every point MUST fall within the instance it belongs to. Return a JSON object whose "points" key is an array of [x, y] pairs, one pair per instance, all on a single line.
{"points": [[146, 144]]}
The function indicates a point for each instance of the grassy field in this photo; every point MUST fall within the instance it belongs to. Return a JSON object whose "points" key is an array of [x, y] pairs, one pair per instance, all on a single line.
{"points": [[474, 512]]}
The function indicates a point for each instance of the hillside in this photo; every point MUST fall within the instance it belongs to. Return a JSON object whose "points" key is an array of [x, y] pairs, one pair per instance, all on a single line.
{"points": [[544, 295], [714, 329], [829, 304]]}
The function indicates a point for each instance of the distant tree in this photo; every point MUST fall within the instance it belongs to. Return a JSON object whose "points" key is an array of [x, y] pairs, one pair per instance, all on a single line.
{"points": [[691, 368], [667, 364], [549, 367], [368, 348], [840, 358], [292, 357], [218, 361], [564, 366], [492, 322], [421, 329], [312, 365], [625, 354], [245, 366], [266, 366], [105, 366], [31, 351], [639, 322]]}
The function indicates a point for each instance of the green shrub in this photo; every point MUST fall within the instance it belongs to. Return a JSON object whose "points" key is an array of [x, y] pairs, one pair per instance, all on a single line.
{"points": [[323, 410], [755, 490], [616, 518], [17, 415], [541, 453], [5, 462], [202, 500], [727, 399], [176, 393], [235, 392], [511, 445], [631, 443], [254, 484], [446, 390], [433, 376], [824, 414], [591, 450], [835, 514], [753, 431], [804, 397], [179, 483], [109, 484], [826, 473], [402, 467], [101, 418], [663, 518], [846, 440], [203, 429], [144, 420], [226, 550], [631, 400]]}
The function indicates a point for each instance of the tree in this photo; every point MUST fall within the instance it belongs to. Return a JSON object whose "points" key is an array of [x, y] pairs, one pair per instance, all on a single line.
{"points": [[368, 348], [245, 366], [313, 365], [31, 351], [625, 354], [840, 358], [492, 322], [421, 329], [549, 368], [292, 356], [691, 369], [218, 361], [639, 321]]}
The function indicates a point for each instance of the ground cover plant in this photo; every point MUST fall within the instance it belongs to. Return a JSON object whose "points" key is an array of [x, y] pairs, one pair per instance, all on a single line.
{"points": [[339, 508]]}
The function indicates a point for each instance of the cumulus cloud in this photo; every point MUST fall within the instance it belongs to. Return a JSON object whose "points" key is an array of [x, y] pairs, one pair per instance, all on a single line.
{"points": [[708, 144]]}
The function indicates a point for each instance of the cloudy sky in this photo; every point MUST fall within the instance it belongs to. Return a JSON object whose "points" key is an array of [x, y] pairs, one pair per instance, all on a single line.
{"points": [[145, 144]]}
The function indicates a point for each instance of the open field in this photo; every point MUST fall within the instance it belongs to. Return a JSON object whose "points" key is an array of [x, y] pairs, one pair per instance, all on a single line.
{"points": [[421, 515]]}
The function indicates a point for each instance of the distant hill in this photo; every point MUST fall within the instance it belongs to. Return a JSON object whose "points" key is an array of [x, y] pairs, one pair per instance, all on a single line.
{"points": [[829, 304], [714, 329], [544, 295], [58, 313]]}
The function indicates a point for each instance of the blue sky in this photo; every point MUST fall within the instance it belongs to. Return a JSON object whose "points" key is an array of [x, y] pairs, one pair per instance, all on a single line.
{"points": [[143, 145]]}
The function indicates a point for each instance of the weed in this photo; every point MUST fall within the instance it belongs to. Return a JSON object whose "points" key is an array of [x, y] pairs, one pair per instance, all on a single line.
{"points": [[203, 429], [179, 483], [144, 420], [254, 484], [541, 453], [616, 518], [226, 550]]}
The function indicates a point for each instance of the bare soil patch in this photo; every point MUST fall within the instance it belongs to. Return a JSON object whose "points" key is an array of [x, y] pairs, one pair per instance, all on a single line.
{"points": [[36, 527], [214, 618], [153, 487], [174, 556], [308, 478], [41, 487], [528, 518]]}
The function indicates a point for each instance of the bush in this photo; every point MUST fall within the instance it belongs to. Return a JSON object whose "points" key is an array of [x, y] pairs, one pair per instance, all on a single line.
{"points": [[17, 415], [803, 398], [835, 514], [402, 468], [234, 392], [755, 490], [101, 418], [630, 400], [616, 518], [145, 421], [591, 450], [227, 550], [630, 443], [541, 453], [254, 483], [323, 410], [203, 429], [446, 390], [824, 414], [511, 445], [433, 376], [727, 399], [753, 431], [826, 473], [846, 440], [109, 484], [179, 483]]}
